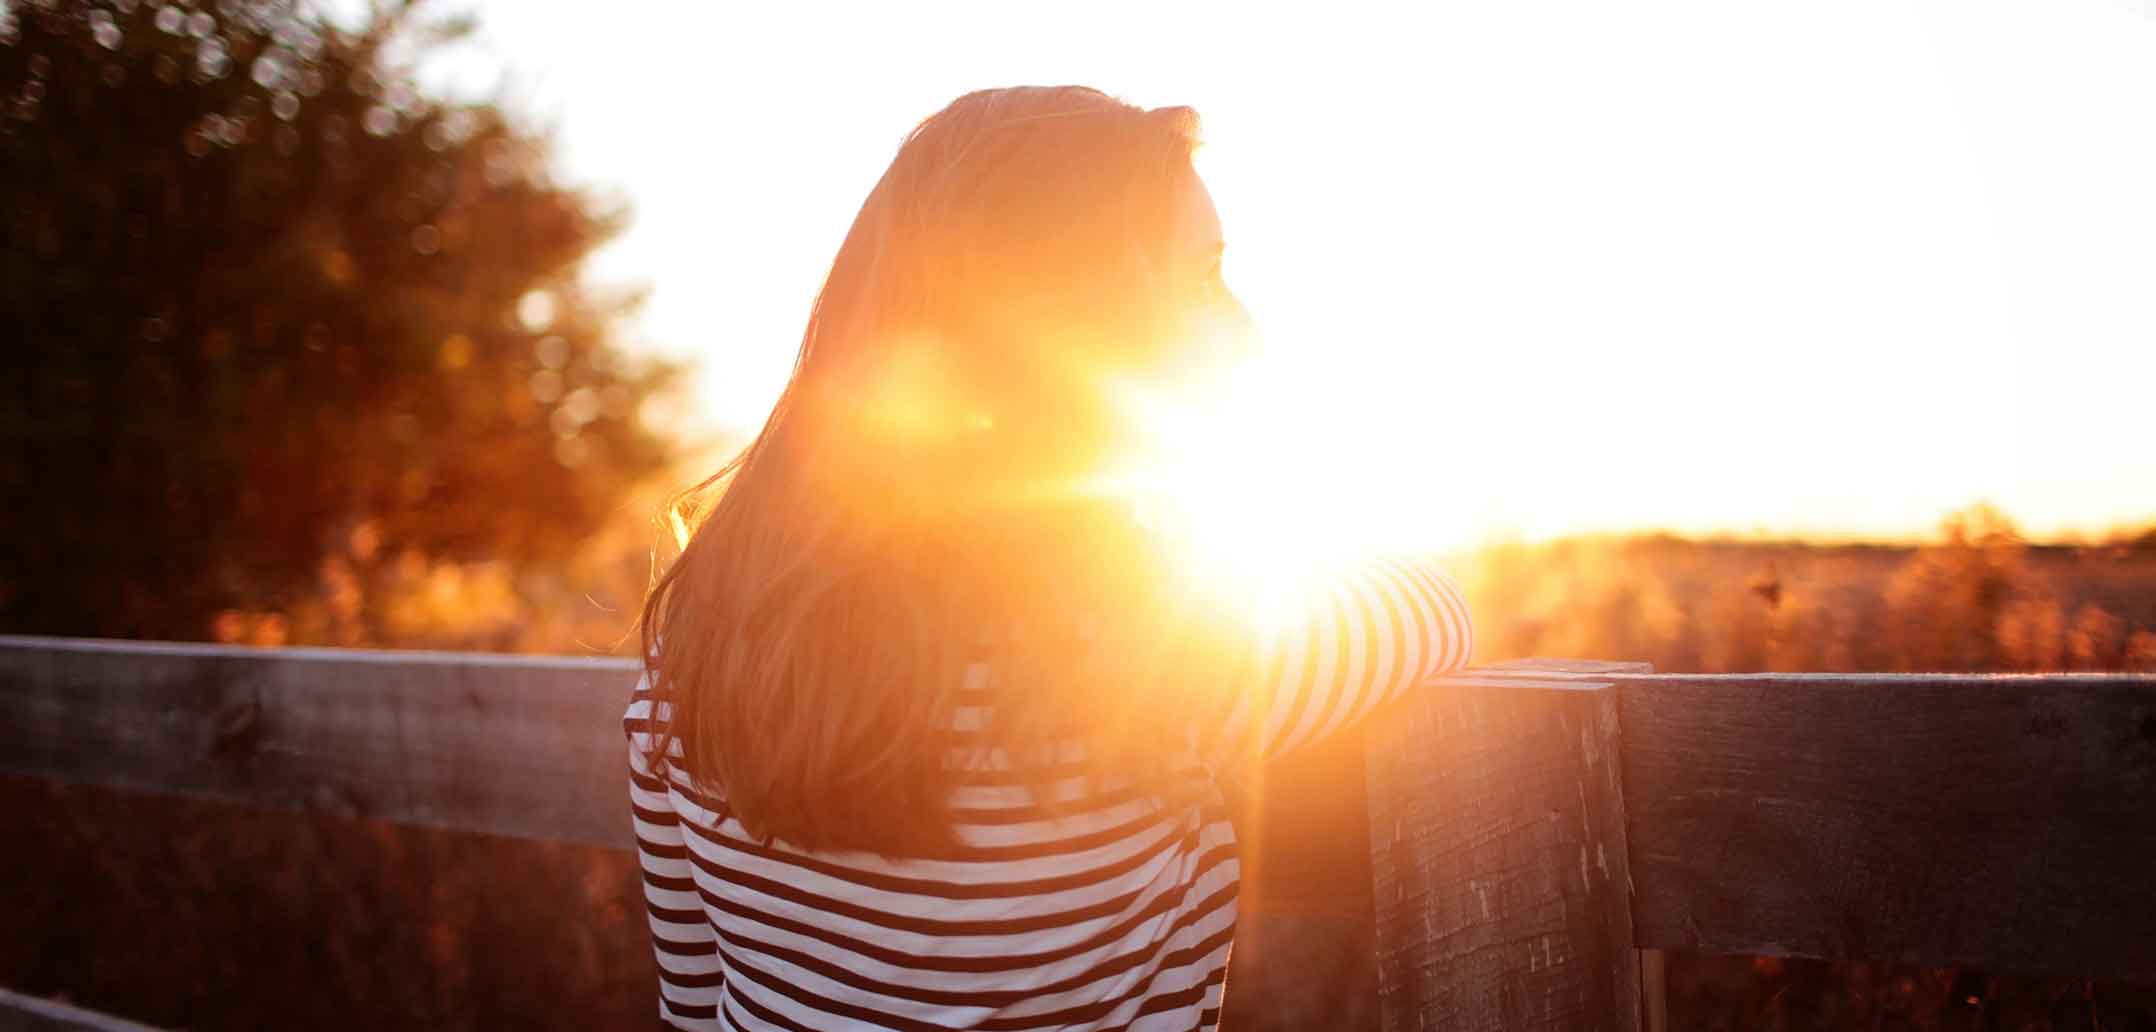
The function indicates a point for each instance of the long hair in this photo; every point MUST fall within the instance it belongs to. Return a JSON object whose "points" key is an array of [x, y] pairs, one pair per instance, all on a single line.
{"points": [[926, 495]]}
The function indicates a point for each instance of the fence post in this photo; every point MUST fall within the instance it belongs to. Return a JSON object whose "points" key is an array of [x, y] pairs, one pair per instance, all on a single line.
{"points": [[1497, 834]]}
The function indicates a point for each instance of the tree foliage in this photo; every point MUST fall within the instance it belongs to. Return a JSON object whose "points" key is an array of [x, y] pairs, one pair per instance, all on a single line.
{"points": [[265, 303]]}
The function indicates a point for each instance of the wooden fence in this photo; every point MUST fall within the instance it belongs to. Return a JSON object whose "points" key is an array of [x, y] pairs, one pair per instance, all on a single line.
{"points": [[1539, 830]]}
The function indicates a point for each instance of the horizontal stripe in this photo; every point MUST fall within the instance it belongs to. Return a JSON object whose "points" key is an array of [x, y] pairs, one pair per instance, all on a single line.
{"points": [[999, 962], [697, 981], [690, 1011], [851, 1011], [944, 888], [1088, 907], [684, 949], [671, 884], [1095, 1011], [920, 993]]}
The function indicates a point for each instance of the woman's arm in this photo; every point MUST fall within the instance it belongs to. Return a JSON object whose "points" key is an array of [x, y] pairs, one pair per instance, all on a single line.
{"points": [[1377, 632], [690, 973]]}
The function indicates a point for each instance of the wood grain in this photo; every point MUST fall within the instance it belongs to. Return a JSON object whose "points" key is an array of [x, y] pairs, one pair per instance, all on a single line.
{"points": [[2001, 821], [1499, 857], [523, 746]]}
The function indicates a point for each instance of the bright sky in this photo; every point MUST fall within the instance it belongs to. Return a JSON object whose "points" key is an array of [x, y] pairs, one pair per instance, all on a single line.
{"points": [[1828, 267]]}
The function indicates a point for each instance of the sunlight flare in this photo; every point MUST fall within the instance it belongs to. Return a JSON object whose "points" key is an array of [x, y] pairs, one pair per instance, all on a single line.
{"points": [[1273, 474]]}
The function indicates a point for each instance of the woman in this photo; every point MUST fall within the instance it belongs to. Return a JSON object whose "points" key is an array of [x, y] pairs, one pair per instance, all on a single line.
{"points": [[932, 720]]}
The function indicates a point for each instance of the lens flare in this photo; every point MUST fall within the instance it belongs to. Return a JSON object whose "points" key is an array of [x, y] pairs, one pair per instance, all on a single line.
{"points": [[1274, 473]]}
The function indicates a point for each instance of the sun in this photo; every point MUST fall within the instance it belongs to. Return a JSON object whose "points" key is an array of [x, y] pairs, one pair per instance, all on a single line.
{"points": [[1274, 473]]}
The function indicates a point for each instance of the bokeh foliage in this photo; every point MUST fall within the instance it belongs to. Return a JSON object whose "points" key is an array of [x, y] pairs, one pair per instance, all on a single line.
{"points": [[280, 325]]}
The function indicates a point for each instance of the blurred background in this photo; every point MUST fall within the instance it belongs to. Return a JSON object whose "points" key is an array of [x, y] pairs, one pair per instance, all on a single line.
{"points": [[1723, 337]]}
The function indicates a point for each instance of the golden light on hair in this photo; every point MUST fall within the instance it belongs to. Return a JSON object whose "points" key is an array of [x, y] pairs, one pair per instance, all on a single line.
{"points": [[906, 509], [912, 397]]}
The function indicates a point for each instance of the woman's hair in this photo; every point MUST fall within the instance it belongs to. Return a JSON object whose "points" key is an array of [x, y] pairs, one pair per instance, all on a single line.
{"points": [[926, 494]]}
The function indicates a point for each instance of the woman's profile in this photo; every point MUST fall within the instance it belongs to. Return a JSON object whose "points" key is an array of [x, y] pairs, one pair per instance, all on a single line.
{"points": [[933, 723]]}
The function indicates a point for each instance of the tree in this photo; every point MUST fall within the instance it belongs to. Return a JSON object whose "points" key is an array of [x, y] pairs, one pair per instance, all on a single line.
{"points": [[264, 303]]}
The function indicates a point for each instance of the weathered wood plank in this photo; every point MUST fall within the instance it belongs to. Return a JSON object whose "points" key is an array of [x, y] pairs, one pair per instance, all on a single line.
{"points": [[21, 1013], [1499, 857], [1539, 667], [1654, 990], [524, 746], [2001, 821]]}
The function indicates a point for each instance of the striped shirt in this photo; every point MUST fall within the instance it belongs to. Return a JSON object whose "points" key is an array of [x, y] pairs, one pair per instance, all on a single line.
{"points": [[1116, 913]]}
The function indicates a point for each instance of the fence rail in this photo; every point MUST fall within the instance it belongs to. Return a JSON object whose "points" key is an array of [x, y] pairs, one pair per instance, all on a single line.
{"points": [[1538, 829], [20, 1013], [528, 746], [1534, 827]]}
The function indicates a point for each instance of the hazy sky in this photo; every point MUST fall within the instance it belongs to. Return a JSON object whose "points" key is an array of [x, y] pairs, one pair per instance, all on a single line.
{"points": [[1833, 266]]}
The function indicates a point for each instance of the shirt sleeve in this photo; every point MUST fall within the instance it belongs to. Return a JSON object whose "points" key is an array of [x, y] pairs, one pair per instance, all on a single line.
{"points": [[691, 975], [1378, 631]]}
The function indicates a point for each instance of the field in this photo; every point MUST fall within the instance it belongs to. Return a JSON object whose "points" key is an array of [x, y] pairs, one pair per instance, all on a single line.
{"points": [[1979, 599], [195, 914]]}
